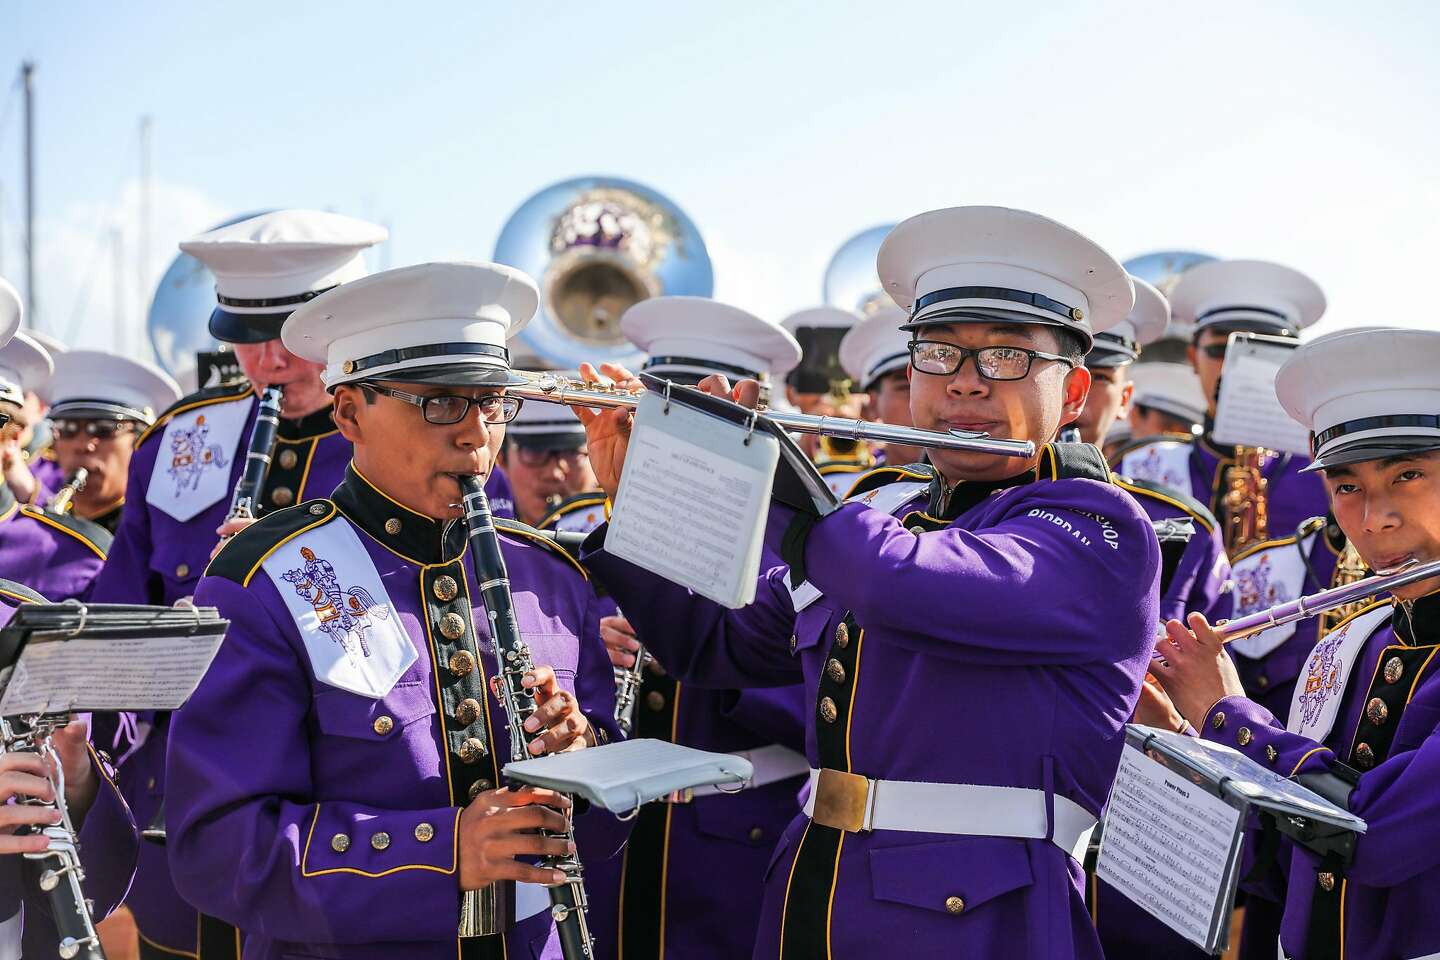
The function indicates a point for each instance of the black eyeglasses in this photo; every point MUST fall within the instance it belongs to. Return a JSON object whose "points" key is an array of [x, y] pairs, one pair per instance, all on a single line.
{"points": [[448, 408], [1215, 351], [539, 458], [994, 363], [99, 429]]}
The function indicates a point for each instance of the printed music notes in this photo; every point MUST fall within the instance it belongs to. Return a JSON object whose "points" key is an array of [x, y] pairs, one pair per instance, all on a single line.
{"points": [[1247, 411]]}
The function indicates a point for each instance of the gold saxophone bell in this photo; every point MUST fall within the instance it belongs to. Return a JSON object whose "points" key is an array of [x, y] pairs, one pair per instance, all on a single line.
{"points": [[1349, 568], [64, 500], [1247, 511]]}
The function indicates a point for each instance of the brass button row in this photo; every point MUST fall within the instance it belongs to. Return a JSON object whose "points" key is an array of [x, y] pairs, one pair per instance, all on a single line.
{"points": [[1243, 736], [467, 712], [1218, 721], [392, 526], [287, 459], [1364, 756], [282, 496], [462, 662], [452, 626], [445, 588], [828, 711], [380, 840], [1377, 712], [479, 787], [1394, 670]]}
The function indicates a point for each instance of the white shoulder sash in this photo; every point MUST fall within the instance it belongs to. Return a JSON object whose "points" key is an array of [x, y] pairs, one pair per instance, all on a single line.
{"points": [[1166, 462], [1262, 580], [192, 467], [333, 591], [1321, 687]]}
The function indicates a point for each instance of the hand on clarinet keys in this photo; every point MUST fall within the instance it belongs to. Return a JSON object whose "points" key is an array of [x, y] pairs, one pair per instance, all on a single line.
{"points": [[607, 432], [23, 776], [502, 825], [620, 641], [1193, 667], [557, 714], [227, 530]]}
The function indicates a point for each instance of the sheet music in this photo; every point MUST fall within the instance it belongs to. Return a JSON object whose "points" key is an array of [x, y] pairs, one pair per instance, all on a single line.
{"points": [[106, 673], [692, 503], [1247, 412], [1171, 847]]}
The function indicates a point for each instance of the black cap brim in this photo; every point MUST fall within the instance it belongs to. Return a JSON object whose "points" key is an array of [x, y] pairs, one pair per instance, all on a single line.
{"points": [[230, 327], [1379, 449]]}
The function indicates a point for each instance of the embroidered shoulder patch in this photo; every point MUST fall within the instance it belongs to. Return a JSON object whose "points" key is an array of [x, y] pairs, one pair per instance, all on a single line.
{"points": [[1262, 580], [1317, 698], [192, 466], [1166, 462]]}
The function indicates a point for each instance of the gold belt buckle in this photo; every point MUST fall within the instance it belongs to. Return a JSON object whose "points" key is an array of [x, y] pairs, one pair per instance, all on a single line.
{"points": [[681, 796], [841, 800]]}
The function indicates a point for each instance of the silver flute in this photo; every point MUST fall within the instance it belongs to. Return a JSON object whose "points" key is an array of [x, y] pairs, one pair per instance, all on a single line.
{"points": [[61, 873], [1318, 603], [549, 388]]}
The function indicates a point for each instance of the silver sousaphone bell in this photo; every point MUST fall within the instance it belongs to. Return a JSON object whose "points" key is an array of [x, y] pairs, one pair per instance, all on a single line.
{"points": [[1162, 270], [851, 282], [596, 246]]}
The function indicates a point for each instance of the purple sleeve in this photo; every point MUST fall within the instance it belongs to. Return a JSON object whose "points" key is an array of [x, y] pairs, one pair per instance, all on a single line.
{"points": [[126, 576], [1201, 581], [1019, 591], [243, 846], [698, 640]]}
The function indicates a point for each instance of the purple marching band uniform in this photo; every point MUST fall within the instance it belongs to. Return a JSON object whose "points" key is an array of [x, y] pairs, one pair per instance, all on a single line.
{"points": [[981, 598], [660, 897], [59, 557], [341, 830]]}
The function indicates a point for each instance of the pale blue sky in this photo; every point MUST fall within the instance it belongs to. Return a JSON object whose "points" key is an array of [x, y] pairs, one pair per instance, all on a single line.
{"points": [[1300, 132]]}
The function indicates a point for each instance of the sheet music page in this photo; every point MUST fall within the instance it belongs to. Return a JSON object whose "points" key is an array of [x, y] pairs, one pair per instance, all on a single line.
{"points": [[693, 501], [1248, 413], [1171, 847], [105, 673]]}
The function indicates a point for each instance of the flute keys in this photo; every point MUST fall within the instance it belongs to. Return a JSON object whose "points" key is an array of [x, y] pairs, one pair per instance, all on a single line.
{"points": [[452, 626], [445, 588]]}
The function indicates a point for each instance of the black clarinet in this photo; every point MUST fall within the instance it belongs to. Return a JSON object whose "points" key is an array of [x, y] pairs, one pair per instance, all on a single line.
{"points": [[568, 903], [60, 871], [243, 505], [257, 456]]}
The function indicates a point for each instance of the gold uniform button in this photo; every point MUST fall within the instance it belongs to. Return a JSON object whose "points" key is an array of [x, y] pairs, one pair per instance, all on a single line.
{"points": [[1263, 681], [282, 496], [471, 750], [478, 787], [1326, 879], [445, 588], [424, 832], [287, 459], [383, 725], [1218, 720], [1271, 753], [954, 906], [794, 642], [842, 636], [1244, 736], [757, 834], [1394, 670], [917, 529], [380, 840], [182, 571], [348, 366], [150, 784], [340, 843], [317, 509], [828, 713], [655, 700], [392, 526], [452, 626], [467, 712], [835, 670], [1364, 756], [462, 662], [1377, 712]]}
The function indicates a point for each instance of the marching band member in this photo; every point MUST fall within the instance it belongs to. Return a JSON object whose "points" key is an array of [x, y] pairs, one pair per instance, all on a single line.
{"points": [[1362, 727], [99, 404], [545, 463], [817, 385], [663, 900], [875, 354], [56, 556], [1218, 299], [334, 781], [1168, 402], [182, 475], [1012, 599]]}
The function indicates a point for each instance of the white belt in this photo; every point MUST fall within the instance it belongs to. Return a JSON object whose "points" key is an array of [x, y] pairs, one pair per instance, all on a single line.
{"points": [[772, 764], [968, 810]]}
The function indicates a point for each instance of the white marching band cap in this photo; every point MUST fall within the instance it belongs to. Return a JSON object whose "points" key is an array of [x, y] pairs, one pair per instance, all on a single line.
{"points": [[443, 323], [1247, 295], [92, 384], [268, 265], [52, 344], [12, 311], [1146, 323], [693, 337], [998, 265], [875, 346], [1171, 388], [547, 426], [1364, 393], [24, 365]]}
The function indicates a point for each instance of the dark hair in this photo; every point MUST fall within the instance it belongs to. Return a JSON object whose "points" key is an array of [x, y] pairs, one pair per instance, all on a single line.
{"points": [[1070, 345]]}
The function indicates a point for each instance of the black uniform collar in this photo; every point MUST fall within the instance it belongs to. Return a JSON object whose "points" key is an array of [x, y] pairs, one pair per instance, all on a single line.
{"points": [[947, 503], [311, 425], [1417, 622], [416, 537]]}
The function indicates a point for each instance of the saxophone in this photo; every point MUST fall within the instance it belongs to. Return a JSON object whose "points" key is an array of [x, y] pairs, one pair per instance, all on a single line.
{"points": [[1349, 568], [63, 501], [61, 874], [1247, 514]]}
